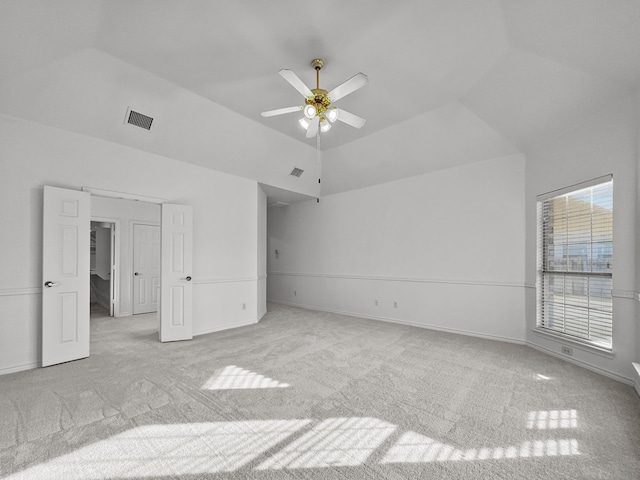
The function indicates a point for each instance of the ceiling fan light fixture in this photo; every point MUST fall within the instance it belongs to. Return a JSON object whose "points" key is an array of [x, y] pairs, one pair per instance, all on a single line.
{"points": [[332, 114], [318, 112], [310, 111]]}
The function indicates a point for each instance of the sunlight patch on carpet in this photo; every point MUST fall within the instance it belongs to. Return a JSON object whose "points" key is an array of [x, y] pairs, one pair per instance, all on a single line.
{"points": [[552, 419], [233, 377], [413, 447], [154, 451], [333, 442]]}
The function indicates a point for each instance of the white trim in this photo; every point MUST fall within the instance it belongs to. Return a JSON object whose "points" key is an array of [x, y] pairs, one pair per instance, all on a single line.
{"points": [[19, 368], [488, 283], [206, 281], [580, 363], [122, 195], [8, 292], [574, 187], [225, 327], [124, 314], [575, 343], [405, 322]]}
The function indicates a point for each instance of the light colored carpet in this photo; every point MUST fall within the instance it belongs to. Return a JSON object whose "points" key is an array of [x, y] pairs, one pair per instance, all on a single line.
{"points": [[306, 395]]}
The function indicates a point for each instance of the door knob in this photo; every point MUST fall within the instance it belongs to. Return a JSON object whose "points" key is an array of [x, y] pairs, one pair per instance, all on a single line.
{"points": [[50, 284], [136, 274], [188, 279]]}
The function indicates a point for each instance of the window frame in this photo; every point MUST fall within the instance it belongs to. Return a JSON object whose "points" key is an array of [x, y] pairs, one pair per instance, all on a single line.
{"points": [[544, 274]]}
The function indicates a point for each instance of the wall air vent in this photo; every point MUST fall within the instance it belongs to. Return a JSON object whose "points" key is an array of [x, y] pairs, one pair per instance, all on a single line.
{"points": [[296, 172], [139, 120]]}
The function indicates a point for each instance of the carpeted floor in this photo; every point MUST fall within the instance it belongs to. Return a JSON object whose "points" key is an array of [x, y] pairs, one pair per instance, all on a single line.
{"points": [[305, 395]]}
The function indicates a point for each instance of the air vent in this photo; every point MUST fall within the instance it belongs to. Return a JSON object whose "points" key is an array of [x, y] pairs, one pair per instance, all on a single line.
{"points": [[296, 172], [139, 120]]}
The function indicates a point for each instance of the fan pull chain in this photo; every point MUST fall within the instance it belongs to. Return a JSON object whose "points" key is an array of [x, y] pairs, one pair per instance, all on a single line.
{"points": [[318, 159]]}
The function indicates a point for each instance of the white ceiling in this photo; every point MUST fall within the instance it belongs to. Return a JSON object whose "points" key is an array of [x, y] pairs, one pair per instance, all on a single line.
{"points": [[451, 81]]}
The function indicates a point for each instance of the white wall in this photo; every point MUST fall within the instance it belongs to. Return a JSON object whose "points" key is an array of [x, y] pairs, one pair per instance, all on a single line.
{"points": [[604, 144], [447, 246], [225, 225], [128, 212]]}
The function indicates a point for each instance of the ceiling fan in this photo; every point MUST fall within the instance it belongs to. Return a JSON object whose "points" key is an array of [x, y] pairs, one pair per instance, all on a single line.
{"points": [[319, 112]]}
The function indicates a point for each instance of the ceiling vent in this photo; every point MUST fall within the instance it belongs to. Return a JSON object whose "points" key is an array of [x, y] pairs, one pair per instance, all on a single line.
{"points": [[296, 172], [139, 120]]}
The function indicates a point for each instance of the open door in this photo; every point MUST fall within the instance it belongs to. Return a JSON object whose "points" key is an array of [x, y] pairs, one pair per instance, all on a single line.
{"points": [[65, 272], [175, 275]]}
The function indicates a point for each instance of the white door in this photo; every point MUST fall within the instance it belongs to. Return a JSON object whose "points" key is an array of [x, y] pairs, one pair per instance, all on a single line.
{"points": [[65, 275], [175, 277], [146, 268]]}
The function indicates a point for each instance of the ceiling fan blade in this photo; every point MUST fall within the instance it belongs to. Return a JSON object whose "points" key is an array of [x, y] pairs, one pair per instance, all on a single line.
{"points": [[313, 127], [359, 80], [350, 118], [281, 111], [295, 82]]}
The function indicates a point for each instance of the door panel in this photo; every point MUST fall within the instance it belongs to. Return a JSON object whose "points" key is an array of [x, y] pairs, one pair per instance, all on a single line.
{"points": [[146, 264], [175, 279], [65, 271]]}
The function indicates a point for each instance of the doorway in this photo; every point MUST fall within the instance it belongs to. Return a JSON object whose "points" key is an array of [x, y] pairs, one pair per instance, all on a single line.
{"points": [[146, 267], [66, 227], [102, 266]]}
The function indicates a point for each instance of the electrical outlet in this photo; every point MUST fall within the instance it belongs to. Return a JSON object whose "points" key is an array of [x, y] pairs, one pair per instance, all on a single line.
{"points": [[244, 306], [395, 304], [376, 302], [567, 350]]}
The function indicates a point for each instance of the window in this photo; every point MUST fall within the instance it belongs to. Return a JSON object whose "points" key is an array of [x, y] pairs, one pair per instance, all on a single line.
{"points": [[575, 252]]}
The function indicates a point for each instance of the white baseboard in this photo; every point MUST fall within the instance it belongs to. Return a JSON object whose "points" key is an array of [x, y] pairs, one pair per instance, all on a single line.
{"points": [[601, 371], [409, 323], [18, 368], [225, 327]]}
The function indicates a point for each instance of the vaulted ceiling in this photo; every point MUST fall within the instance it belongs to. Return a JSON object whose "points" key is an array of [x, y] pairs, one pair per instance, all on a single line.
{"points": [[451, 81]]}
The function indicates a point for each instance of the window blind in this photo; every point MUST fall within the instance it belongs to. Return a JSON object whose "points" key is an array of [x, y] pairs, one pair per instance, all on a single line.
{"points": [[575, 255]]}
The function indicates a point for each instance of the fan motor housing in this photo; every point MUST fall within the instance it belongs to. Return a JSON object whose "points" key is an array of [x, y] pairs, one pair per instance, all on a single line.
{"points": [[320, 100]]}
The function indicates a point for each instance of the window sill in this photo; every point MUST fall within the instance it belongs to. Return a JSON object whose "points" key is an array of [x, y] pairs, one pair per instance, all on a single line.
{"points": [[603, 352]]}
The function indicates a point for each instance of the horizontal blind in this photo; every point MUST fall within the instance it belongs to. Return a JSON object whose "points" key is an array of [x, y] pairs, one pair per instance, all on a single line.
{"points": [[575, 254]]}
